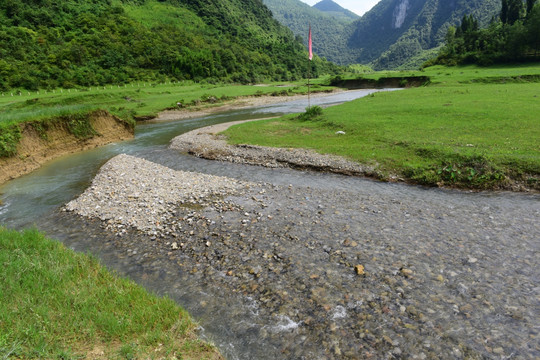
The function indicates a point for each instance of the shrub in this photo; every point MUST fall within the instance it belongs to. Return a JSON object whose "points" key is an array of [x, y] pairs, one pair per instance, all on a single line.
{"points": [[9, 139], [311, 113]]}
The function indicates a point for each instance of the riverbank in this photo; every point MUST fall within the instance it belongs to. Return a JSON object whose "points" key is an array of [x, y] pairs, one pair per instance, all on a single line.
{"points": [[450, 135], [243, 102], [207, 143], [56, 303], [43, 142], [346, 272], [210, 143]]}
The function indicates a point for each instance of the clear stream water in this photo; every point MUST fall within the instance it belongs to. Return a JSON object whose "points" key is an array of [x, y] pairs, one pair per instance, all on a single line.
{"points": [[28, 198], [231, 321]]}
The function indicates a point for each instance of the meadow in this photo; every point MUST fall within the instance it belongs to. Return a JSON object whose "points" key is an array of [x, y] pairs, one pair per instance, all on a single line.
{"points": [[130, 103], [57, 304], [134, 100], [471, 127]]}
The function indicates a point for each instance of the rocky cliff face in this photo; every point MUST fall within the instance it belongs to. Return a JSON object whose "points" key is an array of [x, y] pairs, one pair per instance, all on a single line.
{"points": [[400, 12], [395, 31]]}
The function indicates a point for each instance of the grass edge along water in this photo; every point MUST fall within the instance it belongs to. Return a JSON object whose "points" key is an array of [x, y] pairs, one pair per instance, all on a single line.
{"points": [[55, 303], [458, 132]]}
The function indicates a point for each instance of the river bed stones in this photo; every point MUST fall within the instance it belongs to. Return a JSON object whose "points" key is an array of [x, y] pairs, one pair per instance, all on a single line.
{"points": [[132, 192], [206, 144], [437, 280]]}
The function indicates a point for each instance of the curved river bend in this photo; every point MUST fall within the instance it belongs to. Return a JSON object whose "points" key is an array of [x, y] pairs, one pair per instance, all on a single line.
{"points": [[446, 274]]}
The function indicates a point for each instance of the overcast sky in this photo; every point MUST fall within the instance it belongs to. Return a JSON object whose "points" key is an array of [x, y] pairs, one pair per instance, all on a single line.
{"points": [[356, 6]]}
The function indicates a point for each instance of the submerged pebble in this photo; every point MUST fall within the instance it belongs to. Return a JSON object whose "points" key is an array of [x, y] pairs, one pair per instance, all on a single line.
{"points": [[326, 273]]}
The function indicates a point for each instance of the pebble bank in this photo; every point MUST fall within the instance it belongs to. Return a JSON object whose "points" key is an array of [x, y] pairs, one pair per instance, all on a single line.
{"points": [[337, 274]]}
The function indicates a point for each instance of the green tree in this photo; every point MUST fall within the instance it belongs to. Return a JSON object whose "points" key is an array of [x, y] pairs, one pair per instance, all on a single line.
{"points": [[533, 30], [504, 12], [530, 5], [515, 11], [499, 42]]}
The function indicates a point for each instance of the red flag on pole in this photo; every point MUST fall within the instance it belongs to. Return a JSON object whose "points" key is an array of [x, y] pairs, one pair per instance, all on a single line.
{"points": [[309, 45]]}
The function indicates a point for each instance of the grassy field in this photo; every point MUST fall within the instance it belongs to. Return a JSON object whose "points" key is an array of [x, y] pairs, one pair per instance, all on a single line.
{"points": [[56, 304], [129, 102], [443, 75], [139, 99], [472, 127]]}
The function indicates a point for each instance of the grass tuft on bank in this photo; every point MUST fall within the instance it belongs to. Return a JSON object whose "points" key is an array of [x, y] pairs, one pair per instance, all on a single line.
{"points": [[57, 304], [457, 133]]}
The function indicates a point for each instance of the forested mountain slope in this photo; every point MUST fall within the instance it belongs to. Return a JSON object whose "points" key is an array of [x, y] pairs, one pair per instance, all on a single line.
{"points": [[332, 8], [329, 33], [395, 31], [394, 34], [67, 43]]}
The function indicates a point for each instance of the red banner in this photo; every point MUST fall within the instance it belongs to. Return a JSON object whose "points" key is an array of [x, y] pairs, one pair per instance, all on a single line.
{"points": [[309, 42]]}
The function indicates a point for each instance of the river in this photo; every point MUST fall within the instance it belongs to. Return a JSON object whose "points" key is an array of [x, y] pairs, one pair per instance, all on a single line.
{"points": [[450, 274]]}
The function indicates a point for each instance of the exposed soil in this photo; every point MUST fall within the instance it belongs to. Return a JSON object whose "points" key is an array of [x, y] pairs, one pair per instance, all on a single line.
{"points": [[35, 149]]}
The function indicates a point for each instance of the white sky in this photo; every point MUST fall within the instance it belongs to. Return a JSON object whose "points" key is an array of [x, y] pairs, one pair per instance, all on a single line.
{"points": [[356, 6]]}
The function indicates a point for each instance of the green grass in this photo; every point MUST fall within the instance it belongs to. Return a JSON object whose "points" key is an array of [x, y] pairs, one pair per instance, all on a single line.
{"points": [[128, 102], [443, 75], [57, 304], [138, 99], [456, 132]]}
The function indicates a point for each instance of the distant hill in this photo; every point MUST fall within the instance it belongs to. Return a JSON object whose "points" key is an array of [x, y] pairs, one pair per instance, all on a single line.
{"points": [[396, 31], [95, 42], [332, 8], [395, 34], [329, 33]]}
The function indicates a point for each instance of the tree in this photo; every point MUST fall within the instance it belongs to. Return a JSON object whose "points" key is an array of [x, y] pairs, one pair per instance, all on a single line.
{"points": [[530, 5], [515, 11], [533, 29], [504, 12]]}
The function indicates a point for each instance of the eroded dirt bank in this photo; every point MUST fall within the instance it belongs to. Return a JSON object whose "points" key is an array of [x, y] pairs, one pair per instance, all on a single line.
{"points": [[38, 147]]}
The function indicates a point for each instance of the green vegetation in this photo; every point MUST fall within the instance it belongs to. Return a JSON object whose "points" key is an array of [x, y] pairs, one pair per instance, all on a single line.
{"points": [[10, 136], [514, 37], [131, 101], [332, 8], [413, 35], [456, 132], [56, 304], [329, 33], [50, 44], [128, 102]]}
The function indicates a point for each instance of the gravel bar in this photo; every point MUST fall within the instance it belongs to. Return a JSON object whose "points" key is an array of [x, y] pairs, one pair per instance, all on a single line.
{"points": [[335, 274], [208, 144], [132, 192]]}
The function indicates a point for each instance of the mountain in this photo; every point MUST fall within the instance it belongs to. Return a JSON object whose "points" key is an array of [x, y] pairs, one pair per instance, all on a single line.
{"points": [[69, 43], [396, 31], [395, 34], [329, 33], [332, 8]]}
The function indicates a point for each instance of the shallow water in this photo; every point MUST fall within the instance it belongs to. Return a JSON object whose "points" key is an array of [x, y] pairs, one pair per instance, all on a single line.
{"points": [[44, 190], [485, 245]]}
